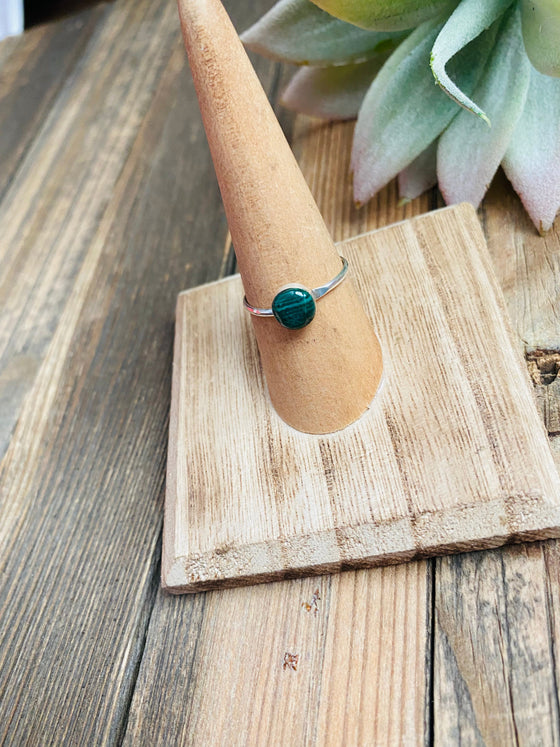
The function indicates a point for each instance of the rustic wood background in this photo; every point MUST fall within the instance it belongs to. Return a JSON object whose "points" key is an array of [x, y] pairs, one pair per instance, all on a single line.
{"points": [[108, 208]]}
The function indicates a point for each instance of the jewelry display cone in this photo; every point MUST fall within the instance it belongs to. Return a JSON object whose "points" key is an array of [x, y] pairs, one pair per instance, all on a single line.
{"points": [[281, 462], [324, 376]]}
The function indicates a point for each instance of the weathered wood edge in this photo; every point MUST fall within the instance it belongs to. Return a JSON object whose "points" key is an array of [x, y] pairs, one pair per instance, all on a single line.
{"points": [[188, 575]]}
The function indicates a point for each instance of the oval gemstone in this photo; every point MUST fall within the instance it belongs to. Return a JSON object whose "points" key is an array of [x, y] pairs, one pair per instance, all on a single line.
{"points": [[294, 308]]}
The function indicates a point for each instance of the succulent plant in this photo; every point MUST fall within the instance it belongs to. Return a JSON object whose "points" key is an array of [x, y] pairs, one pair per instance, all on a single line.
{"points": [[496, 64]]}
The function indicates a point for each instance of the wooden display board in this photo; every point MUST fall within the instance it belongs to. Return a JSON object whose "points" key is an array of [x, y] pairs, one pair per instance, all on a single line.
{"points": [[451, 455]]}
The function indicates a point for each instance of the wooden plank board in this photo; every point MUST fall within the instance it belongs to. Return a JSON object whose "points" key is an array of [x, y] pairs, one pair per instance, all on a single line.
{"points": [[348, 706], [76, 646], [54, 203], [502, 687], [105, 237], [334, 660], [33, 69], [526, 266], [444, 460], [495, 680], [323, 150], [161, 713]]}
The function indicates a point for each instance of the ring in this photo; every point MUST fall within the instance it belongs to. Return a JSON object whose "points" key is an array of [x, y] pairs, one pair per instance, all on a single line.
{"points": [[294, 305]]}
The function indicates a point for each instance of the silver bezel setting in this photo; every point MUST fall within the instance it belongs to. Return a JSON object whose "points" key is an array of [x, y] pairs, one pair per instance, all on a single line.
{"points": [[317, 293]]}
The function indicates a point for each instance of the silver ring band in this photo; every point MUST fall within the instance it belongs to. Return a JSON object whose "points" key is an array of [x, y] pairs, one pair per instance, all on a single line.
{"points": [[294, 304]]}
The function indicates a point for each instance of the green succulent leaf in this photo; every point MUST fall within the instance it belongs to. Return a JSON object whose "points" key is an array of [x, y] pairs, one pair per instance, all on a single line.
{"points": [[403, 111], [469, 152], [469, 19], [299, 32], [419, 175], [541, 33], [331, 92], [385, 15], [532, 160]]}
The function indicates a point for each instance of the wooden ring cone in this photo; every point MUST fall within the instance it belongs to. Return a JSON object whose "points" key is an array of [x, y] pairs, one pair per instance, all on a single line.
{"points": [[323, 377]]}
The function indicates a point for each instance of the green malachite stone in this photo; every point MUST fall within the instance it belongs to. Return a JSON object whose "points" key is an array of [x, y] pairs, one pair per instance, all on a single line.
{"points": [[294, 308]]}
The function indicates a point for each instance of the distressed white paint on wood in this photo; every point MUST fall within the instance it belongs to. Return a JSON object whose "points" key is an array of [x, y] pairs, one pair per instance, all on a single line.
{"points": [[451, 456]]}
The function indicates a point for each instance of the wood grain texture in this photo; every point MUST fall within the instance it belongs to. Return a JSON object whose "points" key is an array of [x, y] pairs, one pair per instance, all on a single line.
{"points": [[365, 714], [495, 676], [53, 206], [156, 712], [526, 267], [452, 458], [33, 69], [495, 667], [333, 660], [73, 640], [323, 151], [103, 237]]}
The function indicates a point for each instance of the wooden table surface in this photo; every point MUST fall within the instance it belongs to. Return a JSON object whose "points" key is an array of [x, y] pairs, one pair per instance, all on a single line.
{"points": [[108, 208]]}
